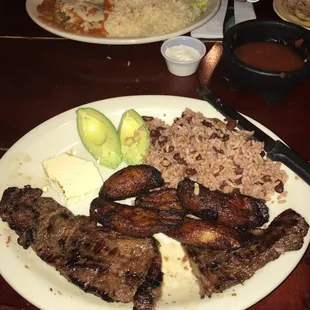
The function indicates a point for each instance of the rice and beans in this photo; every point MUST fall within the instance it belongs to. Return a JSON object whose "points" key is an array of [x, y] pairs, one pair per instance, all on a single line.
{"points": [[214, 154]]}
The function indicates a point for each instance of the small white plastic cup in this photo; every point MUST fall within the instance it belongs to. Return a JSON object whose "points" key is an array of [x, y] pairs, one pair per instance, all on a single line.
{"points": [[183, 68]]}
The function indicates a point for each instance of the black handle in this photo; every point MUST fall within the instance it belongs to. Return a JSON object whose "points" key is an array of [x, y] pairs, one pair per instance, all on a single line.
{"points": [[228, 111], [280, 152], [276, 150], [229, 19]]}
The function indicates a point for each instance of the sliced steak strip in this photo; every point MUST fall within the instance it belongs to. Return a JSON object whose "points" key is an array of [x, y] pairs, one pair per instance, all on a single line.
{"points": [[150, 290]]}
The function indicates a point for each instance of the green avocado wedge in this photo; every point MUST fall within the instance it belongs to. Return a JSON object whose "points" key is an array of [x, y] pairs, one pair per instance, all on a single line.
{"points": [[99, 137], [134, 136]]}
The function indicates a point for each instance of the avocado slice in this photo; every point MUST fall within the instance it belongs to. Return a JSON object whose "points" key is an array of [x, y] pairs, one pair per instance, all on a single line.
{"points": [[99, 137], [135, 138]]}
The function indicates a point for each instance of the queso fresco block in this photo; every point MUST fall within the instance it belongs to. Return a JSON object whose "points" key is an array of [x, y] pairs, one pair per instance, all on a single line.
{"points": [[72, 178]]}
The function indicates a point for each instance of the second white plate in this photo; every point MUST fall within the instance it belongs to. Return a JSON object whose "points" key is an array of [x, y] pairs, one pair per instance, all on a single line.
{"points": [[31, 7]]}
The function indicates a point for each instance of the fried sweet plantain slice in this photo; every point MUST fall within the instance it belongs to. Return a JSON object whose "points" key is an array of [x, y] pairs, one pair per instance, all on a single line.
{"points": [[163, 201], [130, 220], [162, 196], [130, 182], [235, 210], [208, 234]]}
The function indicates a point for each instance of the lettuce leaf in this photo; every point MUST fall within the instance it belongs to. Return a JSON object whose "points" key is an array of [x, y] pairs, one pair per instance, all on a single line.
{"points": [[200, 4]]}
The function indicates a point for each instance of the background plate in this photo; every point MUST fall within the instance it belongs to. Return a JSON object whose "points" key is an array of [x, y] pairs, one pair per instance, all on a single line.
{"points": [[286, 16], [43, 286], [31, 7]]}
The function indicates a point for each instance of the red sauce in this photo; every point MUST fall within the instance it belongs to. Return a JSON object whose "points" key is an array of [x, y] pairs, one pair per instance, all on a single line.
{"points": [[108, 5], [46, 12], [269, 56]]}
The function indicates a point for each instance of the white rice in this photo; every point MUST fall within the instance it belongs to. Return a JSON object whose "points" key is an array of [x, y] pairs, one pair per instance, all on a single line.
{"points": [[149, 17]]}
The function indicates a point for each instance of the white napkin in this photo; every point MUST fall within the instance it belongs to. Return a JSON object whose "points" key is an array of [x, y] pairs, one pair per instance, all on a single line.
{"points": [[213, 29]]}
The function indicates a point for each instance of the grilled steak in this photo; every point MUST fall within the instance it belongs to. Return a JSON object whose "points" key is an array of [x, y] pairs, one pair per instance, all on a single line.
{"points": [[219, 270], [236, 210], [109, 265], [150, 290]]}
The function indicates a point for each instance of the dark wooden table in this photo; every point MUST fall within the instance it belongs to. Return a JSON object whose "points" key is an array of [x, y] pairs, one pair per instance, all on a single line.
{"points": [[42, 75]]}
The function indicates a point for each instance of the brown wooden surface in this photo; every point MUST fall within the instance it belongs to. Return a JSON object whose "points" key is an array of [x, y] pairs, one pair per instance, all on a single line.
{"points": [[43, 75]]}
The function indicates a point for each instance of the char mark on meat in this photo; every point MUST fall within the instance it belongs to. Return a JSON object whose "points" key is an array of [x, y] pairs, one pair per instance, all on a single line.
{"points": [[235, 210], [150, 290], [106, 264], [219, 270]]}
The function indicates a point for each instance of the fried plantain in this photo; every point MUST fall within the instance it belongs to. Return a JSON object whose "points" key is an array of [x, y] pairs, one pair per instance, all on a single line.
{"points": [[130, 220], [163, 201], [208, 234], [130, 182], [235, 210], [162, 196]]}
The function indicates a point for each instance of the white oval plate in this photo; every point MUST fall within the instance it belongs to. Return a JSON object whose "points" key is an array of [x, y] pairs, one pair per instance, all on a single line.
{"points": [[42, 285], [31, 7]]}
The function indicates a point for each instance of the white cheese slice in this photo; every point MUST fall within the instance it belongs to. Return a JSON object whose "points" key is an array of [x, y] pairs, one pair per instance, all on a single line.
{"points": [[72, 178], [88, 11]]}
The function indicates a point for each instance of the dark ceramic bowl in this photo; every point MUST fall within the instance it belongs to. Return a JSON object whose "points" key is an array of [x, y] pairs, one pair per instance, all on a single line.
{"points": [[272, 85]]}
